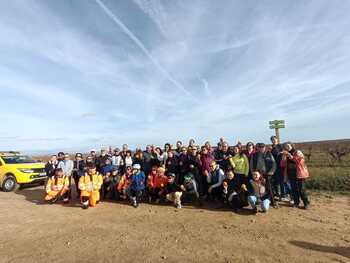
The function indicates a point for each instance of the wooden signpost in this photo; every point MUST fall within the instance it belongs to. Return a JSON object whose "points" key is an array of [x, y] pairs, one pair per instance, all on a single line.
{"points": [[276, 125]]}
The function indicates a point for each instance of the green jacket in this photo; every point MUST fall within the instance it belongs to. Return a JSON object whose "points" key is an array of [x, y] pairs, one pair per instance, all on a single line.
{"points": [[240, 164]]}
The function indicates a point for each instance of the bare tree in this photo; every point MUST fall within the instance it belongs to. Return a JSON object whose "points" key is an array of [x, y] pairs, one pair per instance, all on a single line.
{"points": [[308, 154], [338, 154]]}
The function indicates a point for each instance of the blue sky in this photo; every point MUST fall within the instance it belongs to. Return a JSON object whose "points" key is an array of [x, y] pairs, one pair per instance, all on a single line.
{"points": [[85, 74]]}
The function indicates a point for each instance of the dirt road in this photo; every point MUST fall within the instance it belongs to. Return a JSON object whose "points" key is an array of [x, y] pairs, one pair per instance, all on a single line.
{"points": [[112, 232]]}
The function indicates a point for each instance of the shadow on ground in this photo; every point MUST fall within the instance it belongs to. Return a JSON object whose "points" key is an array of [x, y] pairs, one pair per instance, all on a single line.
{"points": [[36, 195], [342, 251]]}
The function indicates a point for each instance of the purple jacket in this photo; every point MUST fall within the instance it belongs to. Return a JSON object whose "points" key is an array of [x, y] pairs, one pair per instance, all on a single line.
{"points": [[206, 160]]}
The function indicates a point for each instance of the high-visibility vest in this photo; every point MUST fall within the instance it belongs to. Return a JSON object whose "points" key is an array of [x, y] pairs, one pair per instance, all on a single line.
{"points": [[90, 183], [57, 183]]}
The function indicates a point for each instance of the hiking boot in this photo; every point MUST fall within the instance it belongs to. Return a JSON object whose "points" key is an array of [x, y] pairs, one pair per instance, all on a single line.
{"points": [[307, 206]]}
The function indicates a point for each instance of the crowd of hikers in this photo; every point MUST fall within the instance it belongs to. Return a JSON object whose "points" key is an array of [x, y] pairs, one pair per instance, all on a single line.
{"points": [[251, 175]]}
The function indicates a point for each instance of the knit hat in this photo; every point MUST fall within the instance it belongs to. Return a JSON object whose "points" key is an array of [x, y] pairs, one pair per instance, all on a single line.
{"points": [[136, 166], [188, 177]]}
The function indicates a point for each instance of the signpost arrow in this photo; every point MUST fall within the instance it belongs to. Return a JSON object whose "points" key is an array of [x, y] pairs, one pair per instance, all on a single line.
{"points": [[276, 125]]}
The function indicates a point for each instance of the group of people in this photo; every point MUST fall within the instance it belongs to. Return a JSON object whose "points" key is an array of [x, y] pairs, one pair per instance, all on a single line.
{"points": [[251, 175]]}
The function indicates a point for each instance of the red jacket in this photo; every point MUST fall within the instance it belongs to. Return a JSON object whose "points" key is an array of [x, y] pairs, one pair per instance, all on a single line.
{"points": [[157, 181]]}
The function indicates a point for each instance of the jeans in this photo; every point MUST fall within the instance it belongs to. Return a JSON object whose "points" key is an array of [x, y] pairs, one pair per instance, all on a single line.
{"points": [[298, 190], [286, 189], [265, 204]]}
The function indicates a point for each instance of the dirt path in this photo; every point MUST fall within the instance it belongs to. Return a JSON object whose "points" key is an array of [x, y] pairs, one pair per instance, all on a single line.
{"points": [[112, 232]]}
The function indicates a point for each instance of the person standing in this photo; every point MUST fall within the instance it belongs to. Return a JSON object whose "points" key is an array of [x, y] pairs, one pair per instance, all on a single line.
{"points": [[67, 166], [222, 156], [294, 164], [263, 162], [147, 159], [50, 166], [117, 160], [206, 159], [78, 171], [178, 149], [240, 165], [277, 178]]}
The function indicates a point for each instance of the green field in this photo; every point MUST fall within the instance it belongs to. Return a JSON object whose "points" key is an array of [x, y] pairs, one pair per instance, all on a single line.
{"points": [[329, 165]]}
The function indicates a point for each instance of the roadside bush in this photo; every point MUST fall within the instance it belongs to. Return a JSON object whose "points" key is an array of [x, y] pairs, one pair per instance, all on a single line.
{"points": [[329, 179]]}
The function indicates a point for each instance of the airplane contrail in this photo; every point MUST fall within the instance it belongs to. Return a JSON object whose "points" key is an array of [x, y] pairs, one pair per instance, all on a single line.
{"points": [[127, 31]]}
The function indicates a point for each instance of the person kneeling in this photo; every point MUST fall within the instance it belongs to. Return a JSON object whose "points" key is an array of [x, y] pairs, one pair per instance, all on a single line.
{"points": [[157, 185], [123, 184], [137, 185], [235, 194], [90, 185], [190, 189], [174, 191], [260, 193], [57, 186]]}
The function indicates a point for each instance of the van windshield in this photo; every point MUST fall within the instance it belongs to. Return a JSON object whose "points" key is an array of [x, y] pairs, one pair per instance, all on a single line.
{"points": [[17, 159]]}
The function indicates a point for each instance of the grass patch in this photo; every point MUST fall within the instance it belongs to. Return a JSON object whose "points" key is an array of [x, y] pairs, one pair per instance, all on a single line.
{"points": [[329, 179]]}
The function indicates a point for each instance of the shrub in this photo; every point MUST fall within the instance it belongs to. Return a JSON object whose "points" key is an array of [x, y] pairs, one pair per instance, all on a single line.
{"points": [[329, 179]]}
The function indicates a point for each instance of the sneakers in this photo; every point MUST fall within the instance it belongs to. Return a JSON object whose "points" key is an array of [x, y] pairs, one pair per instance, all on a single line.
{"points": [[178, 206], [135, 204], [85, 206]]}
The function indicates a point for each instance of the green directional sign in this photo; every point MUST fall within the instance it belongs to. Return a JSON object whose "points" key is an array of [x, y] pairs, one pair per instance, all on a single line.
{"points": [[276, 125], [277, 122]]}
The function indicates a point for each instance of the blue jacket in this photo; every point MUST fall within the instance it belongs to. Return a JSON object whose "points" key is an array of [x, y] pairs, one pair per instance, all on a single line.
{"points": [[107, 169], [138, 182]]}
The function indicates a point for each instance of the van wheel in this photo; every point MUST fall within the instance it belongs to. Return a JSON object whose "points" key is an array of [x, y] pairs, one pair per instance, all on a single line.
{"points": [[9, 184]]}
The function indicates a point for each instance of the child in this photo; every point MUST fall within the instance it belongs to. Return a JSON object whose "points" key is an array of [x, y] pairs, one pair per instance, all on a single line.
{"points": [[260, 193], [174, 191], [57, 186], [137, 185], [90, 185], [107, 170], [123, 184], [189, 188], [156, 185], [235, 193]]}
